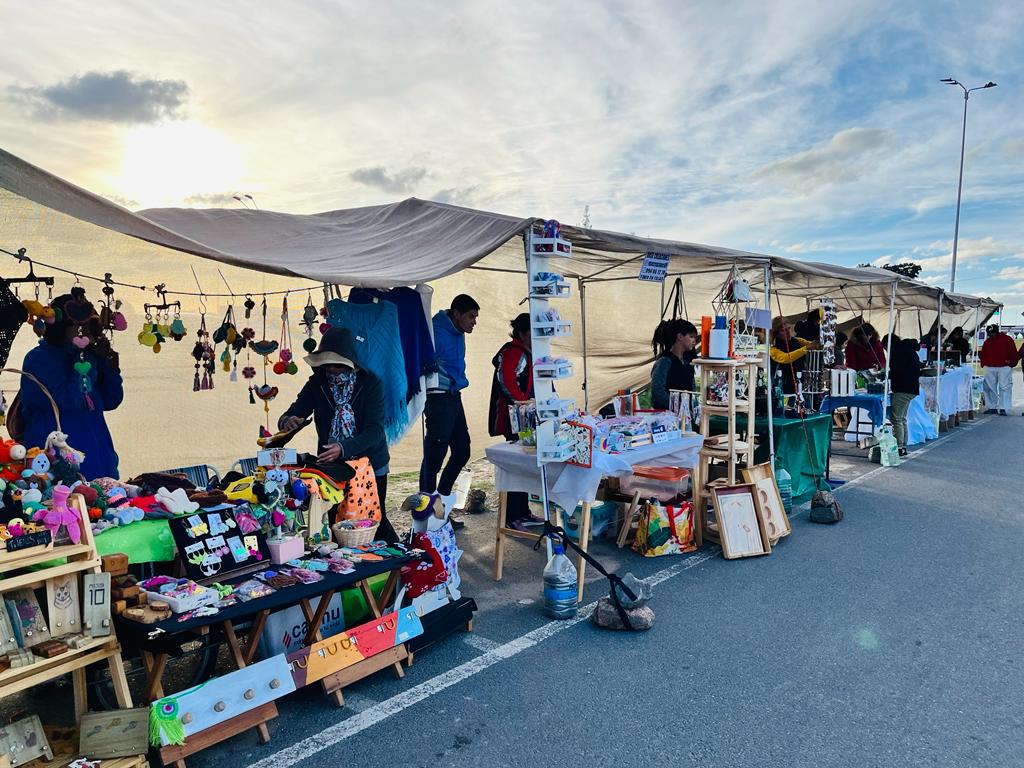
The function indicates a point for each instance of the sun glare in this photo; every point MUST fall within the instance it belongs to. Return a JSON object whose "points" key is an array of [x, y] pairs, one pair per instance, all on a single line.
{"points": [[166, 164]]}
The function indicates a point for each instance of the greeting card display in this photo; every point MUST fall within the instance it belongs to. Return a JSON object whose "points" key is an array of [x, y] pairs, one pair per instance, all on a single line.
{"points": [[213, 547]]}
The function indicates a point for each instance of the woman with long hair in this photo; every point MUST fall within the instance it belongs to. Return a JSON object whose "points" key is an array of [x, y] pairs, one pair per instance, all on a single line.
{"points": [[675, 346], [788, 352]]}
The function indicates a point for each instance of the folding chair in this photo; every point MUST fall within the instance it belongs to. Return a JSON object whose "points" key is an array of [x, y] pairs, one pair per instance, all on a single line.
{"points": [[199, 475]]}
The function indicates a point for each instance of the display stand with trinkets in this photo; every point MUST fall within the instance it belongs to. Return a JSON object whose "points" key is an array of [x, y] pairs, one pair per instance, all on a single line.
{"points": [[61, 633]]}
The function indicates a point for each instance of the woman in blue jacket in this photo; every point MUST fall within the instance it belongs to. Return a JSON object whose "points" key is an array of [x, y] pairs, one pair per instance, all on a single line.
{"points": [[83, 393]]}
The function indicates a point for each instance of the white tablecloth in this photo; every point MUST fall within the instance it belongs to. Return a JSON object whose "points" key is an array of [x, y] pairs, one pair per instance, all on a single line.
{"points": [[954, 391], [516, 470]]}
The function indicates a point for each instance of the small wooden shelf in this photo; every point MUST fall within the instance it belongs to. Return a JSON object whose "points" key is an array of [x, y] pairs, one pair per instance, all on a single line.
{"points": [[38, 578], [20, 678], [10, 561]]}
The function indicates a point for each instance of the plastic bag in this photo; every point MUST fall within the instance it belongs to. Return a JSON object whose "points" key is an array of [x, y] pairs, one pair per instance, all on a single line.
{"points": [[665, 530]]}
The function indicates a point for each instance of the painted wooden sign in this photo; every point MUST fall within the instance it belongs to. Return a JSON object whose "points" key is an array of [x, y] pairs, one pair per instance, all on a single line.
{"points": [[121, 733], [24, 740], [97, 604], [29, 540], [185, 714], [26, 617], [334, 654], [8, 640], [62, 600]]}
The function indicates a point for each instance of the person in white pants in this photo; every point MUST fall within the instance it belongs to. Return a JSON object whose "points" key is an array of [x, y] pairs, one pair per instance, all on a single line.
{"points": [[998, 355]]}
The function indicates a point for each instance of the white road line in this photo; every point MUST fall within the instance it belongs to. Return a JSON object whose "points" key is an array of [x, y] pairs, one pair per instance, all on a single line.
{"points": [[357, 702], [359, 722], [479, 642]]}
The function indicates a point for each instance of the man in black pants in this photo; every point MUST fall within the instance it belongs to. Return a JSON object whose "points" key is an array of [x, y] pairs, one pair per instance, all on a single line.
{"points": [[446, 428]]}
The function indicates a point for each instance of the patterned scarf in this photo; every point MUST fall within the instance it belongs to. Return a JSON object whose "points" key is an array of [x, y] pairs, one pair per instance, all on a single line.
{"points": [[343, 426]]}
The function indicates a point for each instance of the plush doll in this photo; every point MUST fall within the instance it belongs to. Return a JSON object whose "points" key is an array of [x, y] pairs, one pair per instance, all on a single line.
{"points": [[60, 514], [430, 583], [12, 460]]}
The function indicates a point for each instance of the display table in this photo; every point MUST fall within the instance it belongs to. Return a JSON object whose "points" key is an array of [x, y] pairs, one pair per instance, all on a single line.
{"points": [[954, 392], [568, 485], [790, 446]]}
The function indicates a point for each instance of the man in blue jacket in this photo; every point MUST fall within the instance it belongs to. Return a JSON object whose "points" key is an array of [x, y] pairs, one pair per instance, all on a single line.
{"points": [[446, 428]]}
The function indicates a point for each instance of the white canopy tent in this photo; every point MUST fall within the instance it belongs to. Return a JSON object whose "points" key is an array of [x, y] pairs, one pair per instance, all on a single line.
{"points": [[417, 241]]}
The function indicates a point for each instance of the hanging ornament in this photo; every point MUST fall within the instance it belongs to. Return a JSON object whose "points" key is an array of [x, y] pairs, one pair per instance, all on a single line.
{"points": [[264, 347], [177, 328], [249, 305], [266, 393], [226, 333], [111, 317], [204, 355]]}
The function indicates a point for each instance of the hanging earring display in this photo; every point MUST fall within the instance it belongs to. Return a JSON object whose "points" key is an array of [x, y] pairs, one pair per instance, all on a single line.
{"points": [[158, 325], [80, 312]]}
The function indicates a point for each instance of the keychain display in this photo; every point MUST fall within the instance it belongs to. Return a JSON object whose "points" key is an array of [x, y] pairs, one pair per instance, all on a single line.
{"points": [[204, 355], [284, 363], [309, 322], [158, 325], [111, 318]]}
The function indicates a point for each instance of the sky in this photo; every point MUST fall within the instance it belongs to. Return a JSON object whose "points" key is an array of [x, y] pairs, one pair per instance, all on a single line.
{"points": [[807, 129]]}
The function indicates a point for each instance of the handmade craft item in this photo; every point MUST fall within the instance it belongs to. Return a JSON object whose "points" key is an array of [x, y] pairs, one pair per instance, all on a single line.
{"points": [[26, 617], [62, 601], [59, 515], [173, 719], [121, 733], [24, 740], [204, 355], [310, 316], [285, 363]]}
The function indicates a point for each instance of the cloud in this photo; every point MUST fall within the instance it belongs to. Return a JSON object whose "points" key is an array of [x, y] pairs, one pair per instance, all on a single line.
{"points": [[968, 251], [845, 157], [113, 97], [398, 183], [212, 200], [464, 196]]}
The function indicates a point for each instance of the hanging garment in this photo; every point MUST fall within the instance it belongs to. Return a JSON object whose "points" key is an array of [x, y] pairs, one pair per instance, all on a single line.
{"points": [[374, 328], [417, 345], [361, 501]]}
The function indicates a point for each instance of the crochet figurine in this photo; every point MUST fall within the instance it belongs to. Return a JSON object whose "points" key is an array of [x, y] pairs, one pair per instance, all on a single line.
{"points": [[60, 514], [12, 460], [432, 581]]}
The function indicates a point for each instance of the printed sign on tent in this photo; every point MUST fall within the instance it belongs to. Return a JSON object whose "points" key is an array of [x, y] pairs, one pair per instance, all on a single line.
{"points": [[654, 268]]}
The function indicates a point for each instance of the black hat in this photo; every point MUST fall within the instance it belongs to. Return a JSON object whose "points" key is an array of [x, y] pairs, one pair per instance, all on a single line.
{"points": [[336, 348]]}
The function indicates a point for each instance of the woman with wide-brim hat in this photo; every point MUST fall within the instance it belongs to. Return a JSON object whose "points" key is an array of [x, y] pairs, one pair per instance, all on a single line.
{"points": [[347, 406]]}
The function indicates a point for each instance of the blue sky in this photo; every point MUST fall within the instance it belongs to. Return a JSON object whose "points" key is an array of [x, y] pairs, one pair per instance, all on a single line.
{"points": [[806, 129]]}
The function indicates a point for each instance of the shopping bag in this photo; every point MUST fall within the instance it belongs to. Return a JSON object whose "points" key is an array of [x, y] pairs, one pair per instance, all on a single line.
{"points": [[665, 530]]}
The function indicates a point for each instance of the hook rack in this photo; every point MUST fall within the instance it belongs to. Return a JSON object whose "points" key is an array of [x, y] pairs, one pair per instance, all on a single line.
{"points": [[161, 291], [31, 277]]}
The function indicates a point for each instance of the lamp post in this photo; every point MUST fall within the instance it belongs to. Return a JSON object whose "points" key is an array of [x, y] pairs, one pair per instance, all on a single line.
{"points": [[960, 183]]}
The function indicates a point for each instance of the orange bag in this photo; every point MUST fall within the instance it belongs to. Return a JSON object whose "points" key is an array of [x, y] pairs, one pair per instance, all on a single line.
{"points": [[361, 500]]}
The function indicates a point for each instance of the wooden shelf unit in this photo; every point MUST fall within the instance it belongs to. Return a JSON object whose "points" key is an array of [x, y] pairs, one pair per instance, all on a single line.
{"points": [[58, 562], [735, 451]]}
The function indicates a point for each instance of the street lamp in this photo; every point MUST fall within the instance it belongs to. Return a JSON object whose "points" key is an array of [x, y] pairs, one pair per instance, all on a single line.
{"points": [[960, 183]]}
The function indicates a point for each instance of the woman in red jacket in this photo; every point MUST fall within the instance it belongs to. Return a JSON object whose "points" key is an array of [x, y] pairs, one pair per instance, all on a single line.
{"points": [[513, 383], [864, 350]]}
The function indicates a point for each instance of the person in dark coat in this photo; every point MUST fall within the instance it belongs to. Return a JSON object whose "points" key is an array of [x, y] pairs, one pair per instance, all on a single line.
{"points": [[905, 383], [347, 406], [675, 348], [513, 383], [82, 399]]}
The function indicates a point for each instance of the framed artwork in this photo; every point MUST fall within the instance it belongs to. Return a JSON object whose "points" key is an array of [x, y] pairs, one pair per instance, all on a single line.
{"points": [[740, 525], [775, 521]]}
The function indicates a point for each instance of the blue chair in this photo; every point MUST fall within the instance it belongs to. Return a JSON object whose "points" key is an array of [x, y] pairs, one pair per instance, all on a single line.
{"points": [[199, 475], [246, 467]]}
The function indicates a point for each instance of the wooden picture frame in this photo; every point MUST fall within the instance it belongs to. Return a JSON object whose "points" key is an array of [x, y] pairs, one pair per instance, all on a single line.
{"points": [[740, 521], [775, 520]]}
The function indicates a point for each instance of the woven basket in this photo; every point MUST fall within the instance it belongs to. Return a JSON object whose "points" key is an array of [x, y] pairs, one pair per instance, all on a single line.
{"points": [[43, 389], [353, 537]]}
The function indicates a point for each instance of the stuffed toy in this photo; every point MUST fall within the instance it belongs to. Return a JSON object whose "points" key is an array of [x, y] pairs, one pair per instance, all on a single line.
{"points": [[60, 514], [431, 581], [176, 502], [12, 460]]}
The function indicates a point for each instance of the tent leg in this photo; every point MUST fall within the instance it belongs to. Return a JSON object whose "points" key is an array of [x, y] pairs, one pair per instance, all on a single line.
{"points": [[938, 360], [767, 365], [888, 350], [583, 329]]}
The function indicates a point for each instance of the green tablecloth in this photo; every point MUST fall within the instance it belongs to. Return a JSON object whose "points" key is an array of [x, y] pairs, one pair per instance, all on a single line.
{"points": [[147, 541], [790, 448]]}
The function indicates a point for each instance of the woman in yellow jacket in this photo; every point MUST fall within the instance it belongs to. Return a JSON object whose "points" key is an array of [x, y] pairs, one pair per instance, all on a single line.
{"points": [[787, 353]]}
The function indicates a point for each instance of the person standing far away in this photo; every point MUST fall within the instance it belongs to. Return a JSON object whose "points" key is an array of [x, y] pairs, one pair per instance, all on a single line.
{"points": [[674, 346], [810, 327], [905, 380], [447, 431], [998, 357]]}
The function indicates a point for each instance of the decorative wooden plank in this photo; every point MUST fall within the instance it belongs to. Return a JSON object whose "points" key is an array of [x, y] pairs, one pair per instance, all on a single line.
{"points": [[97, 604], [223, 732], [223, 698], [24, 740], [120, 733], [8, 640], [330, 656], [26, 617], [62, 599]]}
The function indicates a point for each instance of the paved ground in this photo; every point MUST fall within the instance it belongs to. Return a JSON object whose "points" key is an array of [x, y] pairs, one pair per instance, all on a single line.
{"points": [[891, 639]]}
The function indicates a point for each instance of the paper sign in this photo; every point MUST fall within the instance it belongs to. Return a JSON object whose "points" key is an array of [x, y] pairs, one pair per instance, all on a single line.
{"points": [[654, 268], [758, 318]]}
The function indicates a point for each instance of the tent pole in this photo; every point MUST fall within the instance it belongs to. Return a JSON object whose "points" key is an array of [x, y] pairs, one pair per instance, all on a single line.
{"points": [[767, 366], [583, 316], [938, 357], [888, 344], [974, 339]]}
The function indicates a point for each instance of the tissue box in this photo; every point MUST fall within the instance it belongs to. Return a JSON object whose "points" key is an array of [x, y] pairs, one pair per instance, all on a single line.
{"points": [[285, 548]]}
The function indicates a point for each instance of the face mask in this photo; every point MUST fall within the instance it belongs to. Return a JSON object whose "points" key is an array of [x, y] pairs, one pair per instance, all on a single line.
{"points": [[341, 378]]}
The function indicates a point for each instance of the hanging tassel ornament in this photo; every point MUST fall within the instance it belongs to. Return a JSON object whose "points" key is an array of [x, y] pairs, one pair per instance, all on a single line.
{"points": [[252, 396]]}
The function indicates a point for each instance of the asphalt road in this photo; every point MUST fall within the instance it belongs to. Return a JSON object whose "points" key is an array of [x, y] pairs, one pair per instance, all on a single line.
{"points": [[891, 639]]}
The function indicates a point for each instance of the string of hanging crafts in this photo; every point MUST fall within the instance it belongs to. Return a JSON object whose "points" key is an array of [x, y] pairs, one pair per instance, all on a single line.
{"points": [[158, 324], [285, 363], [309, 322], [264, 348], [204, 354]]}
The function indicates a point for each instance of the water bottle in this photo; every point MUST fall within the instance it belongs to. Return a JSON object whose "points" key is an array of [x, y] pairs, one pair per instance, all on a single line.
{"points": [[785, 483], [559, 584]]}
